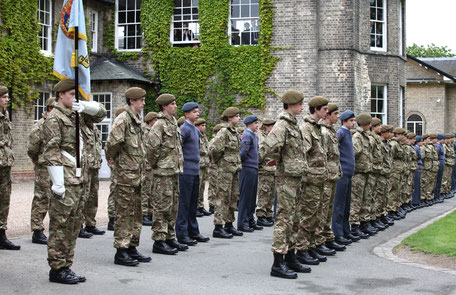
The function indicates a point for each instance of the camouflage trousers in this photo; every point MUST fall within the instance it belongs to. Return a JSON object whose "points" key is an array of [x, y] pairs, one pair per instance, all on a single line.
{"points": [[266, 194], [5, 195], [446, 180], [381, 196], [64, 225], [111, 198], [286, 222], [310, 216], [146, 193], [128, 220], [227, 197], [428, 178], [407, 187], [368, 204], [91, 185], [203, 175], [165, 205], [212, 188], [327, 202], [359, 183], [41, 195], [394, 196]]}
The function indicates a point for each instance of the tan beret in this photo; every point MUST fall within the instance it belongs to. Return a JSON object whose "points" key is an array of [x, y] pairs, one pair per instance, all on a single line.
{"points": [[386, 128], [181, 121], [268, 122], [433, 135], [119, 111], [200, 121], [65, 85], [50, 101], [425, 135], [217, 128], [332, 107], [399, 130], [363, 119], [135, 93], [3, 90], [165, 99], [150, 116], [411, 135], [230, 112], [375, 122], [292, 97], [318, 101]]}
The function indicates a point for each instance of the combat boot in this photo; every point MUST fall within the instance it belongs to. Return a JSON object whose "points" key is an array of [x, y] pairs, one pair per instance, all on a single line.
{"points": [[84, 234], [357, 231], [323, 250], [231, 229], [80, 278], [264, 222], [122, 258], [111, 223], [146, 221], [314, 253], [7, 244], [62, 276], [280, 269], [254, 225], [94, 230], [38, 237], [351, 237], [293, 263], [334, 245], [305, 258], [220, 232], [160, 247], [133, 253]]}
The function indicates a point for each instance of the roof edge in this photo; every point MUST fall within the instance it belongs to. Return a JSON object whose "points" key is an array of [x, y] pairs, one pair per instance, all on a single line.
{"points": [[432, 67]]}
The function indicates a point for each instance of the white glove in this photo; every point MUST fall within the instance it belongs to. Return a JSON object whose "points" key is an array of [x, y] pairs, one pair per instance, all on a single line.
{"points": [[88, 107], [58, 183]]}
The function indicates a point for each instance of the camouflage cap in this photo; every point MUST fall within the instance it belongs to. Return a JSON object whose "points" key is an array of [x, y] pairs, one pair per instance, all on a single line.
{"points": [[230, 112], [433, 135], [386, 128], [3, 90], [135, 93], [181, 121], [119, 111], [64, 85], [363, 119], [200, 121], [292, 97], [50, 101], [332, 107], [411, 135], [150, 116], [318, 101], [217, 128], [268, 122], [165, 99], [375, 122], [399, 130]]}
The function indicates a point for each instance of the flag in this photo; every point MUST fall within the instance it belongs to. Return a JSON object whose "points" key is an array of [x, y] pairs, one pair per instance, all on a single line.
{"points": [[64, 60]]}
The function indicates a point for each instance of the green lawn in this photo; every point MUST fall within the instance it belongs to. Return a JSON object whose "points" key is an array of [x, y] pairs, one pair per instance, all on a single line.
{"points": [[437, 238]]}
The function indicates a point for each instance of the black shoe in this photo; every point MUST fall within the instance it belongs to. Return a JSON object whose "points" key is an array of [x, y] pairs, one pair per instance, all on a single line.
{"points": [[280, 269], [200, 238], [367, 229], [178, 245], [160, 247], [351, 237], [270, 219], [317, 255], [94, 230], [370, 227], [133, 253], [335, 246], [343, 241], [187, 241], [231, 229], [323, 250], [293, 263], [84, 234], [111, 223], [122, 258], [81, 278], [305, 258], [220, 232], [199, 214], [255, 226], [38, 237], [387, 220], [357, 231], [62, 276], [264, 222], [204, 211], [7, 244], [377, 225], [246, 229], [211, 209], [147, 221]]}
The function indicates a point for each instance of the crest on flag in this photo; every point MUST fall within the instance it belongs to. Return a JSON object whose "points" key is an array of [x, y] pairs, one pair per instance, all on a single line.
{"points": [[65, 18]]}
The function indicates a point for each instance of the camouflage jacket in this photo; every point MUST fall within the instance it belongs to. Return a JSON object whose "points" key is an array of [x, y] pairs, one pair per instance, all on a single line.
{"points": [[286, 145], [125, 145], [377, 154], [262, 167], [398, 156], [387, 165], [315, 152], [36, 141], [435, 157], [212, 165], [6, 141], [146, 128], [204, 151], [225, 149], [426, 157], [91, 155], [363, 151], [164, 147], [449, 154], [411, 157], [331, 146]]}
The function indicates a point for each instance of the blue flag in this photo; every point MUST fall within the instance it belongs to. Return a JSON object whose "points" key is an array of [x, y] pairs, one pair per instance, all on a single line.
{"points": [[64, 61]]}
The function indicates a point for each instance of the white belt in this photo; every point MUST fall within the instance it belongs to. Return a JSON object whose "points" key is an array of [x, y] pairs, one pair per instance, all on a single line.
{"points": [[72, 159]]}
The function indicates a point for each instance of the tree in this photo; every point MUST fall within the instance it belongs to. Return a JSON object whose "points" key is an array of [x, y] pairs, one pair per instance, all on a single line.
{"points": [[431, 50]]}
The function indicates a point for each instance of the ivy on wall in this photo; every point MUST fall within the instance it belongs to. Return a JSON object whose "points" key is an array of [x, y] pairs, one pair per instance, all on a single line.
{"points": [[21, 63]]}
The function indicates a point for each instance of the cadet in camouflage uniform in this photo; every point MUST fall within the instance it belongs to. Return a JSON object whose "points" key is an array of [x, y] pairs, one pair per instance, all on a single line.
{"points": [[164, 152], [363, 166], [449, 162], [285, 145], [331, 147], [204, 165], [148, 177], [224, 151], [384, 179], [125, 147], [212, 173], [266, 181], [66, 202], [42, 188], [411, 167], [434, 168], [6, 161], [426, 156]]}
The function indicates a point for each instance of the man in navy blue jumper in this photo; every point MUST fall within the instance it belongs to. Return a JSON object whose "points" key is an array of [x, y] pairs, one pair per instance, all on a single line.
{"points": [[248, 177], [441, 153], [187, 231], [341, 209]]}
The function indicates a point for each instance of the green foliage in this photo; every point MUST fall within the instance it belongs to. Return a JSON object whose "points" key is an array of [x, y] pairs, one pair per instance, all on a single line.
{"points": [[21, 63], [429, 51]]}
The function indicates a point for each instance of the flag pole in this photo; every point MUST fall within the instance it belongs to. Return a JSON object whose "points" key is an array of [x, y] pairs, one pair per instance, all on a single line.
{"points": [[76, 79]]}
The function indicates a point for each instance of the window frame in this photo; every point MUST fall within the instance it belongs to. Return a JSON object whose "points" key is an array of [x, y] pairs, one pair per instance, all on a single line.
{"points": [[107, 121], [384, 114], [384, 27], [415, 123], [94, 31], [47, 52], [192, 20], [40, 105], [240, 18], [116, 29]]}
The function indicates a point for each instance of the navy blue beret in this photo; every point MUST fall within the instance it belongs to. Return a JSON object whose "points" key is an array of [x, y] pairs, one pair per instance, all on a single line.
{"points": [[441, 136], [250, 119], [346, 115], [189, 106], [418, 138]]}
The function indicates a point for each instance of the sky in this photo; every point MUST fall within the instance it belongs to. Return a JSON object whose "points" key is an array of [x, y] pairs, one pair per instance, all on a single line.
{"points": [[431, 21]]}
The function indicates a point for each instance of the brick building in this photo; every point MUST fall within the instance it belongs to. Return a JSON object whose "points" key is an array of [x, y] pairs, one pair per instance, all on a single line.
{"points": [[352, 52]]}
